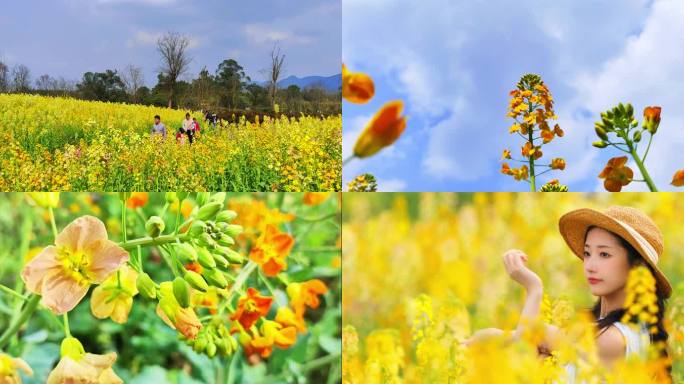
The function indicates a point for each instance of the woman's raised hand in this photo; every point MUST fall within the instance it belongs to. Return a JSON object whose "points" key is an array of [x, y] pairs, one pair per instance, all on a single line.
{"points": [[514, 261]]}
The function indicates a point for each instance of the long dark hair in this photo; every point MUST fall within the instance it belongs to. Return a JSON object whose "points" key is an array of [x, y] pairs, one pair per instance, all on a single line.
{"points": [[602, 324]]}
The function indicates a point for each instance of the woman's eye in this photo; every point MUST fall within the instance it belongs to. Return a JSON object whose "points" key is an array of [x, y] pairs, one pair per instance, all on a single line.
{"points": [[604, 254], [586, 254]]}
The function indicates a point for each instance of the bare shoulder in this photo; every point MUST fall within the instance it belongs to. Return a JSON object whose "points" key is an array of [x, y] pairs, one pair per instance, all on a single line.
{"points": [[611, 345]]}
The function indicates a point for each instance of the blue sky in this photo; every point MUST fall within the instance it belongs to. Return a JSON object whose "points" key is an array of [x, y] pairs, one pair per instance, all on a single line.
{"points": [[65, 38], [454, 62]]}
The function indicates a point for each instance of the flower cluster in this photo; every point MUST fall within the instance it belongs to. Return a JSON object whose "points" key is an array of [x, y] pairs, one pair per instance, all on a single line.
{"points": [[619, 128], [211, 301], [363, 183], [531, 106]]}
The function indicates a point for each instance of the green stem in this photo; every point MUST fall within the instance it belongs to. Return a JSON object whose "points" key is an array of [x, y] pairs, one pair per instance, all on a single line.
{"points": [[31, 305], [52, 222], [642, 168], [647, 148], [144, 241], [67, 330], [239, 281], [12, 292], [530, 138], [348, 159], [270, 289], [123, 220], [326, 217]]}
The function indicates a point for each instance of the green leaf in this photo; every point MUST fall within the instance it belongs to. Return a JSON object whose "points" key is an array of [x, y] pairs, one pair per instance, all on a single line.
{"points": [[152, 374]]}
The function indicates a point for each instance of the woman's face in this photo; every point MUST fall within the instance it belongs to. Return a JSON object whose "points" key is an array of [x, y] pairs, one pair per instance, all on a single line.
{"points": [[606, 265]]}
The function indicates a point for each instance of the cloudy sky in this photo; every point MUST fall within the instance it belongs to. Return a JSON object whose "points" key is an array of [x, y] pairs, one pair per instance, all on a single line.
{"points": [[69, 37], [454, 62]]}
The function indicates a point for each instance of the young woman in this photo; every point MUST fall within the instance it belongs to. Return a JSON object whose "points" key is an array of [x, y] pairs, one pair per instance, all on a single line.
{"points": [[609, 243]]}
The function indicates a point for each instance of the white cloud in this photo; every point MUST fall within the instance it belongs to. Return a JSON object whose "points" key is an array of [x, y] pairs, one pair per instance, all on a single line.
{"points": [[267, 34], [647, 72], [145, 38], [391, 185]]}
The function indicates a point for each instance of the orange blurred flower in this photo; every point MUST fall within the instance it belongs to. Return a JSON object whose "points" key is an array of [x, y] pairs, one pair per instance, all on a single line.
{"points": [[617, 174], [251, 308], [678, 178], [558, 131], [315, 198], [137, 200], [383, 130], [255, 216], [271, 249], [506, 154], [506, 169], [652, 119], [357, 87], [558, 163], [186, 208], [271, 333], [287, 317], [305, 294]]}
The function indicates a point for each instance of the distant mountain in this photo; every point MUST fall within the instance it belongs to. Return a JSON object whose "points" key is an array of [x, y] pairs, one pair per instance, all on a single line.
{"points": [[330, 83]]}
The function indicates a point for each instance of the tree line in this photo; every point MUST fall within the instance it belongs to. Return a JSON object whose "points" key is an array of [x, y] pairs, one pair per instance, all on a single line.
{"points": [[227, 90]]}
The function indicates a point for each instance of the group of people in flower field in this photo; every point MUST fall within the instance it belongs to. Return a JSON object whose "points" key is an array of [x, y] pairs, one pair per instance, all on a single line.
{"points": [[190, 128]]}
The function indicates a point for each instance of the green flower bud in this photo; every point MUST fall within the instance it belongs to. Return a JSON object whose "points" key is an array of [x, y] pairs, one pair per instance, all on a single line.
{"points": [[205, 240], [154, 226], [623, 110], [208, 211], [185, 252], [181, 291], [599, 144], [607, 124], [196, 281], [233, 230], [226, 216], [232, 256], [218, 197], [205, 259], [630, 110], [637, 136], [197, 228], [220, 260], [600, 131], [609, 114], [167, 307], [146, 286], [211, 349], [170, 197], [199, 344], [225, 240], [214, 277], [202, 198]]}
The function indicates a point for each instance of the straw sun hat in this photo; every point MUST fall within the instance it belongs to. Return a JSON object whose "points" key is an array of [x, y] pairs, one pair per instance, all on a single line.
{"points": [[629, 223]]}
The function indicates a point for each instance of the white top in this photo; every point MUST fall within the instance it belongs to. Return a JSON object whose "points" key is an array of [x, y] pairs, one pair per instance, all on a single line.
{"points": [[636, 343]]}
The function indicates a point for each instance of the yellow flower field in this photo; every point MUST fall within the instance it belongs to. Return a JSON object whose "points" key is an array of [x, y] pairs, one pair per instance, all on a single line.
{"points": [[72, 145], [423, 272]]}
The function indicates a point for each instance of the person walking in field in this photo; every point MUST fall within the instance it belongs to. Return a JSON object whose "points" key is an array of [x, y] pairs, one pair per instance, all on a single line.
{"points": [[196, 126], [188, 127], [158, 128]]}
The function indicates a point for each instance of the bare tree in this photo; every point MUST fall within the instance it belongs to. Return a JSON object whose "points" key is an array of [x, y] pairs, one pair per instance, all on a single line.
{"points": [[21, 78], [133, 79], [175, 60], [4, 77], [276, 69], [46, 83]]}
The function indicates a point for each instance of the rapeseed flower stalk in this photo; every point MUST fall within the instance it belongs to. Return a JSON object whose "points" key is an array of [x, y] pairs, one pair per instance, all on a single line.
{"points": [[619, 128], [531, 106]]}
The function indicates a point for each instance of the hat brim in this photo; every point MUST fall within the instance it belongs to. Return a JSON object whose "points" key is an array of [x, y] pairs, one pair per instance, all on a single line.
{"points": [[573, 227]]}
